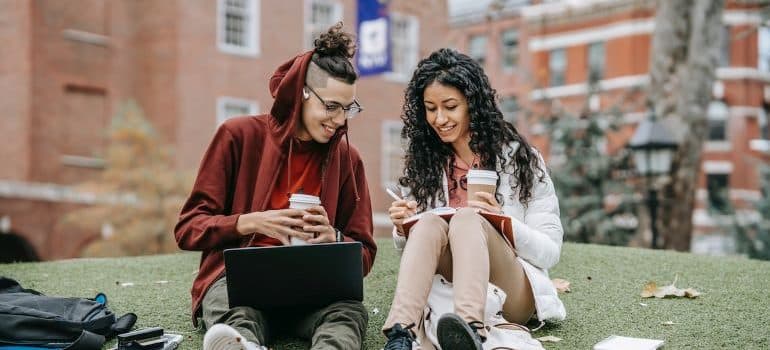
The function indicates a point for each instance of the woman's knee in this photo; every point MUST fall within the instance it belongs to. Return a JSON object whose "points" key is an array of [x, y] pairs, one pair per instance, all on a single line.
{"points": [[463, 218], [431, 227], [464, 215]]}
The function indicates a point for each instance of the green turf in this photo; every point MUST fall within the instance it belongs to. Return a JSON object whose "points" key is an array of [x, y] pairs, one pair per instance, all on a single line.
{"points": [[732, 313]]}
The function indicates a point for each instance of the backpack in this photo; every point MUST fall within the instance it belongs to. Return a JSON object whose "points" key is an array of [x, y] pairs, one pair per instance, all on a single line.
{"points": [[29, 319]]}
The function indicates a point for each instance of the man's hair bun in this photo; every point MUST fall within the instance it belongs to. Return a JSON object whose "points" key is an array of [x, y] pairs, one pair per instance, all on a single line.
{"points": [[335, 42]]}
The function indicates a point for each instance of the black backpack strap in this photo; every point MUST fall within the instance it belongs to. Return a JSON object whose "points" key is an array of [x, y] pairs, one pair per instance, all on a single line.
{"points": [[87, 341], [122, 325]]}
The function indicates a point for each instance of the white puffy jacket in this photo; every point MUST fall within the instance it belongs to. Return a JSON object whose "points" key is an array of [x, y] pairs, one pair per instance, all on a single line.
{"points": [[537, 234]]}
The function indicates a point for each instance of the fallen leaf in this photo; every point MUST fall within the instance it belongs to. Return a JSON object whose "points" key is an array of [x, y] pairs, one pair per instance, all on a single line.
{"points": [[549, 338], [668, 323], [127, 284], [691, 293], [161, 282], [561, 285], [642, 304], [375, 311], [651, 289]]}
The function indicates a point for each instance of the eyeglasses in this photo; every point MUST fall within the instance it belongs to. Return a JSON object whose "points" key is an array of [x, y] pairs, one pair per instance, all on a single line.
{"points": [[333, 109]]}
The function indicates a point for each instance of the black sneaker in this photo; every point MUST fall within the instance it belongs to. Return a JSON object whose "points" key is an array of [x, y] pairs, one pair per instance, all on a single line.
{"points": [[399, 338], [455, 334]]}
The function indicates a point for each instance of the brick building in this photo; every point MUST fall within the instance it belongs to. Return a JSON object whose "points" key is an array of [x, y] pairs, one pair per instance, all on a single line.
{"points": [[533, 50], [66, 66]]}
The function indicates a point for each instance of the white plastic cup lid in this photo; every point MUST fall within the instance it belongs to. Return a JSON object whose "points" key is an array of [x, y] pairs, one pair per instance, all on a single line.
{"points": [[486, 177], [304, 198]]}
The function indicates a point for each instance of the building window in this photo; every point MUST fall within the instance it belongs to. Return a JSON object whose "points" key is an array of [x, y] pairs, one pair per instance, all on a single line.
{"points": [[509, 105], [238, 27], [405, 43], [763, 63], [724, 51], [228, 107], [717, 186], [320, 15], [509, 44], [764, 127], [717, 114], [392, 152], [596, 62], [557, 67], [477, 48]]}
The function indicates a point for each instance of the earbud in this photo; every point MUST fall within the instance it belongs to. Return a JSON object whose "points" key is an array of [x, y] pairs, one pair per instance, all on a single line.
{"points": [[305, 94]]}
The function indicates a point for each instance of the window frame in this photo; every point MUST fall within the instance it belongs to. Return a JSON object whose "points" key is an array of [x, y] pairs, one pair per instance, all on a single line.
{"points": [[252, 40], [224, 101], [590, 62], [763, 48], [711, 197], [482, 59], [311, 29], [386, 149], [563, 71], [412, 44], [724, 119], [507, 51]]}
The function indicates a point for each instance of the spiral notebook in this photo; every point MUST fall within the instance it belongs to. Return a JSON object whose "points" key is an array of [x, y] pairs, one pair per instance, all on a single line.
{"points": [[500, 222]]}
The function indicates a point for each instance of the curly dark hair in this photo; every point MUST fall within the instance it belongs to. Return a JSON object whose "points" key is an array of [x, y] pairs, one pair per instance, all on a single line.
{"points": [[427, 156], [333, 51]]}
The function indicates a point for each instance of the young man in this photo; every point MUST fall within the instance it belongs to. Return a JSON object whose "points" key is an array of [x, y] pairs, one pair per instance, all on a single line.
{"points": [[240, 198]]}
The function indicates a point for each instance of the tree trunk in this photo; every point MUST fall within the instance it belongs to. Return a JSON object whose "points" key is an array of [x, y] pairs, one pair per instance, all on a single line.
{"points": [[682, 69]]}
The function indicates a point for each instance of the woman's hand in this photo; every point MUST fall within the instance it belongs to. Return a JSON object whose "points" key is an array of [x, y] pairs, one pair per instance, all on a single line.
{"points": [[486, 202], [279, 224], [317, 224], [399, 211]]}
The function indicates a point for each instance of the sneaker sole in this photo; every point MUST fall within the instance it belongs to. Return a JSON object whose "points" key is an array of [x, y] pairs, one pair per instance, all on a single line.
{"points": [[454, 334]]}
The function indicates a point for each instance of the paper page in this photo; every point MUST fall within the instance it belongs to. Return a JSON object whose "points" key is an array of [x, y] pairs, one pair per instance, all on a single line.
{"points": [[615, 342]]}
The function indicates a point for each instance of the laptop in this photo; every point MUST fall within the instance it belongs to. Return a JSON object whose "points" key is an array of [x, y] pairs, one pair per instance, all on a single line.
{"points": [[303, 276]]}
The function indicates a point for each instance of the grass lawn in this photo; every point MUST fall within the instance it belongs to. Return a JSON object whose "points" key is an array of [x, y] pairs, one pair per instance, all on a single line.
{"points": [[733, 312]]}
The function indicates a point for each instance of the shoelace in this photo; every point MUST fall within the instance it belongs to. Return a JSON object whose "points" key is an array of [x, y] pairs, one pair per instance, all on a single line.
{"points": [[476, 326], [400, 337]]}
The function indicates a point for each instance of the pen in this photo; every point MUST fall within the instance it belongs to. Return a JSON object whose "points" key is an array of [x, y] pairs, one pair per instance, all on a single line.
{"points": [[393, 194]]}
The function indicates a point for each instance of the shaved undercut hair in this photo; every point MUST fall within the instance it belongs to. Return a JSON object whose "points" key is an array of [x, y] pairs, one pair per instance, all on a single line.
{"points": [[316, 77]]}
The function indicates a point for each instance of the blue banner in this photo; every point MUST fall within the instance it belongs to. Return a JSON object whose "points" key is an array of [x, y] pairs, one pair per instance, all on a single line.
{"points": [[373, 55]]}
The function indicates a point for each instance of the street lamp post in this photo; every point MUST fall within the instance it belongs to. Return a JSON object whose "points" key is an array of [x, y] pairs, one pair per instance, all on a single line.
{"points": [[653, 148]]}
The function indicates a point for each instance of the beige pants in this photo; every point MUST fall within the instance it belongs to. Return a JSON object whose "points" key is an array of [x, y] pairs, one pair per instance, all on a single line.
{"points": [[467, 251]]}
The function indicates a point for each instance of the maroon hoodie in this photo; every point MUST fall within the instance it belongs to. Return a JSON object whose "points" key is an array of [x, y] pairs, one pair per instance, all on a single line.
{"points": [[239, 171]]}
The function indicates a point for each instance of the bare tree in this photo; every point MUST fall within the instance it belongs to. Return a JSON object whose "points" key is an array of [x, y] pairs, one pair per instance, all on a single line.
{"points": [[683, 60]]}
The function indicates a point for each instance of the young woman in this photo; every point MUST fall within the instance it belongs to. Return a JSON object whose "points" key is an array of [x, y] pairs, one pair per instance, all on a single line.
{"points": [[453, 124]]}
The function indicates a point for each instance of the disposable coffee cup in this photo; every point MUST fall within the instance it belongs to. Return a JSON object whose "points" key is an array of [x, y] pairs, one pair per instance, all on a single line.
{"points": [[302, 201], [481, 181]]}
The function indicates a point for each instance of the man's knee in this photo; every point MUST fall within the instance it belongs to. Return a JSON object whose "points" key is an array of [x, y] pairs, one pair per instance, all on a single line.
{"points": [[349, 309]]}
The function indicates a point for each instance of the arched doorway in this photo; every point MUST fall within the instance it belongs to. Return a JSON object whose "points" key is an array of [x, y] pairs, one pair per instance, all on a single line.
{"points": [[16, 248]]}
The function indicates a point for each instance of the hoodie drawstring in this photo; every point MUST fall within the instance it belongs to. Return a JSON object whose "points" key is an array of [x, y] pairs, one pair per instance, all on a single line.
{"points": [[350, 166], [288, 167]]}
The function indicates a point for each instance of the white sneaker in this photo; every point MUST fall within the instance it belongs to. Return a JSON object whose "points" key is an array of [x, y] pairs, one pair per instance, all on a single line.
{"points": [[223, 337]]}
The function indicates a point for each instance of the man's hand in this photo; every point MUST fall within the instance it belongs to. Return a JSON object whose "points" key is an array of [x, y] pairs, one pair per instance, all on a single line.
{"points": [[317, 223], [399, 211], [486, 203], [279, 224]]}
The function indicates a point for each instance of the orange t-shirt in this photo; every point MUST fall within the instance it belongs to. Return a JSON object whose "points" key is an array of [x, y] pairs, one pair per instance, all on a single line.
{"points": [[306, 160]]}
